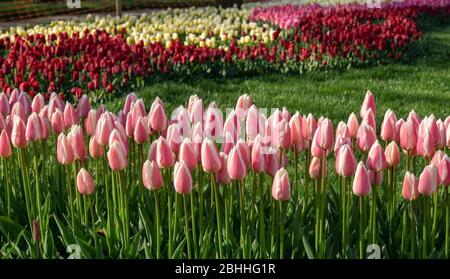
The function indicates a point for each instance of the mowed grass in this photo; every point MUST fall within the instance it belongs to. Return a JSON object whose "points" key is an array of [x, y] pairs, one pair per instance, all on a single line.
{"points": [[422, 84]]}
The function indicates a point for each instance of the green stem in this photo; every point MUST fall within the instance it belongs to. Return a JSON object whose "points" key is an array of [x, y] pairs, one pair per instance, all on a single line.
{"points": [[158, 228], [281, 230], [446, 221], [435, 213], [361, 221], [374, 215], [219, 223], [413, 229], [125, 208], [186, 227], [425, 226], [243, 221], [7, 187], [37, 178], [194, 224], [169, 214], [200, 209], [262, 237]]}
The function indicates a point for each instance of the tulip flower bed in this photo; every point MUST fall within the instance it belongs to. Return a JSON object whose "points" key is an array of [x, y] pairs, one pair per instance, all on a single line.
{"points": [[202, 184], [105, 55]]}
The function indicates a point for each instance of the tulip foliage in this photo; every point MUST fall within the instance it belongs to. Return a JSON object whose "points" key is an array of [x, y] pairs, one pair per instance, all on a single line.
{"points": [[139, 183]]}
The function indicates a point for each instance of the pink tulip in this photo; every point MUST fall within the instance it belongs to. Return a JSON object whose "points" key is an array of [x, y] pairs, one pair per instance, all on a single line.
{"points": [[258, 159], [425, 144], [388, 126], [91, 122], [295, 125], [18, 137], [442, 139], [184, 122], [164, 155], [376, 160], [57, 122], [429, 179], [64, 151], [398, 126], [196, 112], [151, 175], [365, 138], [342, 130], [392, 154], [228, 143], [4, 104], [14, 96], [182, 178], [369, 119], [84, 106], [38, 103], [316, 151], [253, 126], [129, 100], [325, 135], [410, 189], [213, 123], [116, 156], [340, 141], [444, 171], [353, 125], [414, 118], [191, 102], [232, 125], [222, 176], [158, 118], [34, 129], [95, 149], [105, 126], [141, 130], [368, 103], [25, 101], [5, 145], [315, 168], [408, 136], [187, 154], [447, 136], [309, 126], [361, 182], [244, 151], [76, 139], [174, 137], [211, 162], [345, 161], [236, 166], [152, 151], [244, 102], [18, 110], [281, 188], [85, 183], [433, 127], [70, 115]]}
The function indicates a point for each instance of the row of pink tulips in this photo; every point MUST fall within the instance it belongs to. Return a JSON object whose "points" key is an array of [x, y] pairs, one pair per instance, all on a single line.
{"points": [[245, 145]]}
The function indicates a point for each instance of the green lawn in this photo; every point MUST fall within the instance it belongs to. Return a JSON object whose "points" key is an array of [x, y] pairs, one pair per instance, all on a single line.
{"points": [[423, 84]]}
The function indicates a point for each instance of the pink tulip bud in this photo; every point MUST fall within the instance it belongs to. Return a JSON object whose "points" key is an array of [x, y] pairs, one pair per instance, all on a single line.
{"points": [[222, 176], [353, 125], [152, 151], [38, 103], [131, 98], [232, 125], [369, 120], [151, 175], [388, 126], [316, 151], [408, 136], [244, 102], [429, 179], [253, 125], [76, 139], [398, 126], [210, 157], [325, 135], [213, 123], [309, 126], [425, 144], [315, 168], [437, 157], [158, 118], [18, 133], [444, 171], [95, 149], [414, 118], [345, 161], [174, 137], [187, 154], [85, 183], [14, 96], [5, 145], [182, 178], [18, 110], [196, 112], [376, 160], [25, 101], [361, 182], [45, 127], [258, 159], [4, 104], [164, 155], [433, 127], [447, 136], [442, 139], [244, 151], [410, 189], [191, 102], [295, 125], [340, 141], [236, 166], [116, 156], [137, 110], [342, 130], [228, 143], [281, 135], [368, 103], [57, 122], [70, 116], [64, 150], [184, 122], [84, 106], [281, 188], [91, 122], [392, 154], [141, 130], [34, 128], [365, 138], [105, 126]]}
